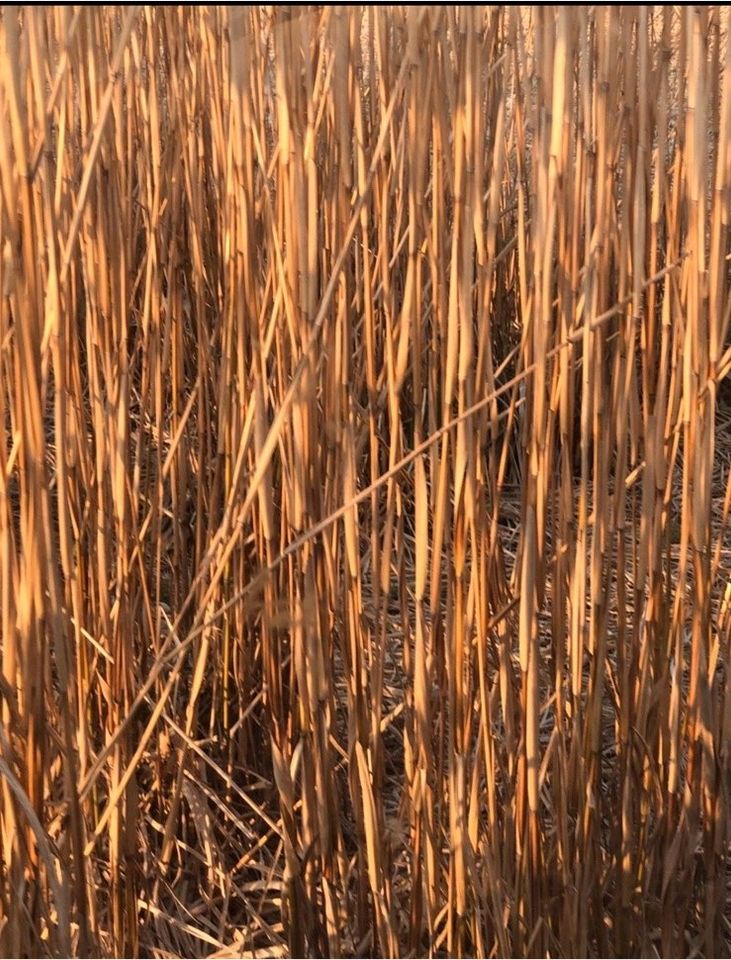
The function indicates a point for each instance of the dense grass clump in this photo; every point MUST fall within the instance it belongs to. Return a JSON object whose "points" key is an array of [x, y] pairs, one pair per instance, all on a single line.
{"points": [[365, 472]]}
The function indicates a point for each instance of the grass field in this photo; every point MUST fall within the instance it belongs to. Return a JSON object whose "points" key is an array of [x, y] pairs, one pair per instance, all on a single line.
{"points": [[365, 476]]}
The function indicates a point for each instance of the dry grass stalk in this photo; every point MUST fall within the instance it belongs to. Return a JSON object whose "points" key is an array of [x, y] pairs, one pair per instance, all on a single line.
{"points": [[364, 480]]}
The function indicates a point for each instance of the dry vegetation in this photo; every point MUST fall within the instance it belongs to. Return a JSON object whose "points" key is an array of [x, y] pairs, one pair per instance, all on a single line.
{"points": [[364, 481]]}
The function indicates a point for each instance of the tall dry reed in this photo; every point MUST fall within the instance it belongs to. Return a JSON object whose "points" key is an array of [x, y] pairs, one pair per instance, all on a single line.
{"points": [[364, 480]]}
